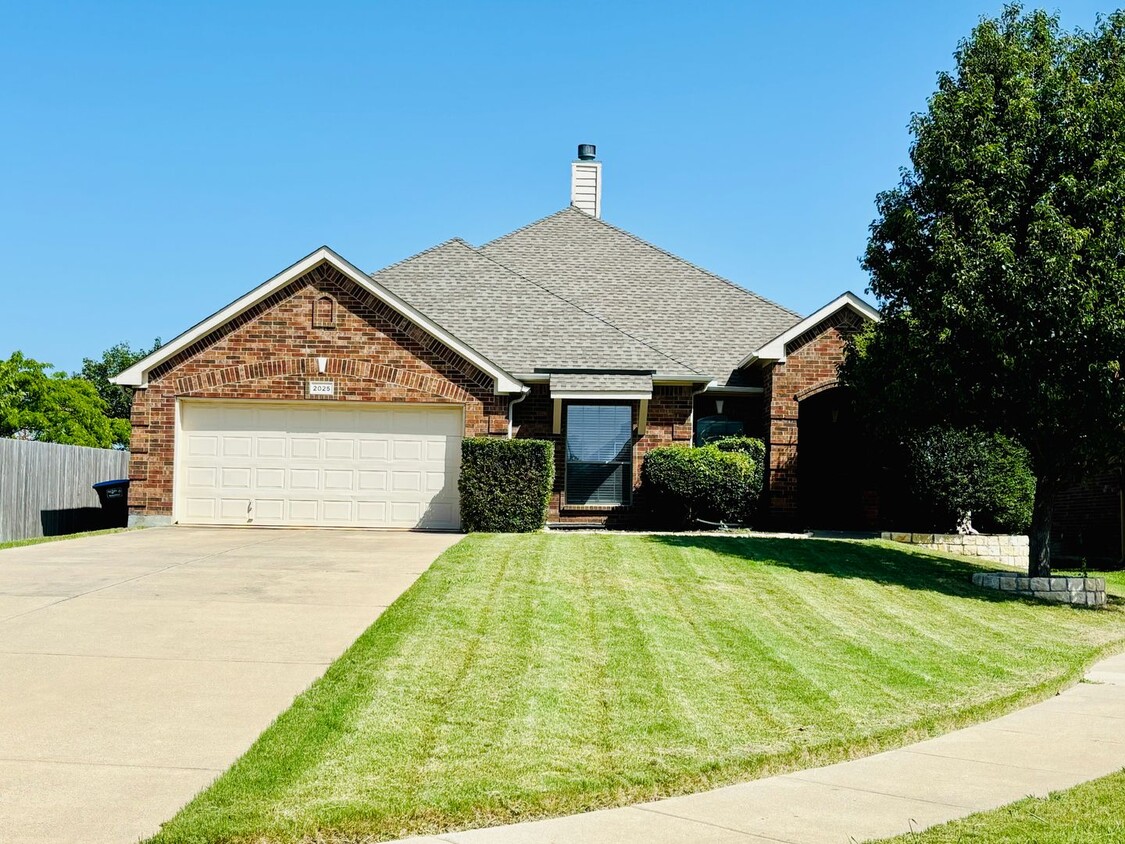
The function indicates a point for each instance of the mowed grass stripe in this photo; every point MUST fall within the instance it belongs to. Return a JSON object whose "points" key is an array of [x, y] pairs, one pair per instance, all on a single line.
{"points": [[524, 676]]}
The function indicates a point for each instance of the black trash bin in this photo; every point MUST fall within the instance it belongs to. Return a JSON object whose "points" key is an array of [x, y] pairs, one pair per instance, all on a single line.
{"points": [[114, 496]]}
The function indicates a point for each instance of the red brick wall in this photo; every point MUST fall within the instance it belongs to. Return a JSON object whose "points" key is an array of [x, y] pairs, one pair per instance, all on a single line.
{"points": [[270, 352], [669, 421], [811, 363]]}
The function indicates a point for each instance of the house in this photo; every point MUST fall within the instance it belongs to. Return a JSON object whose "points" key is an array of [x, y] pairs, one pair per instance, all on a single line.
{"points": [[329, 396]]}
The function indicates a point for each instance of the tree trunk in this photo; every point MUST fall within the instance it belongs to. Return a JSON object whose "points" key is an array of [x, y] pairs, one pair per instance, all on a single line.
{"points": [[1039, 559]]}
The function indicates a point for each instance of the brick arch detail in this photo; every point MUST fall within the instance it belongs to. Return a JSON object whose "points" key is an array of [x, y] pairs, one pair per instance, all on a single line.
{"points": [[347, 367], [816, 389]]}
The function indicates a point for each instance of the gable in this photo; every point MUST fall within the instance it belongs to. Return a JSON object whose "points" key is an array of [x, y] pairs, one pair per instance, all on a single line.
{"points": [[239, 311], [320, 314], [846, 308]]}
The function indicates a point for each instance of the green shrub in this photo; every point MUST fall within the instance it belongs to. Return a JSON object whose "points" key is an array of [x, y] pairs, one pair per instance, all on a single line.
{"points": [[754, 448], [952, 473], [505, 485], [1008, 487], [713, 483]]}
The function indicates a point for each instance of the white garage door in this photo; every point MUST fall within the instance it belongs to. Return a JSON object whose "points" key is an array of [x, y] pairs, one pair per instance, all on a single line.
{"points": [[318, 463]]}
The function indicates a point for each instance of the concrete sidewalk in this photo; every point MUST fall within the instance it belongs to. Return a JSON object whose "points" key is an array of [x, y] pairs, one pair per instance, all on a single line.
{"points": [[1075, 736]]}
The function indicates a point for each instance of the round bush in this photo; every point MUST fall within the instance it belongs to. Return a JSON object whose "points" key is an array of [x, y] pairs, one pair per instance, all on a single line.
{"points": [[952, 472], [711, 483]]}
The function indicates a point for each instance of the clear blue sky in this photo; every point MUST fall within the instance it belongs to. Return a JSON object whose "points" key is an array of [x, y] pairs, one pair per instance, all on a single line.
{"points": [[161, 159]]}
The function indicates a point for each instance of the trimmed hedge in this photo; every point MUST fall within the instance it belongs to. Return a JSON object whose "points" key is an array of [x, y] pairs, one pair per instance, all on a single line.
{"points": [[718, 482], [505, 485]]}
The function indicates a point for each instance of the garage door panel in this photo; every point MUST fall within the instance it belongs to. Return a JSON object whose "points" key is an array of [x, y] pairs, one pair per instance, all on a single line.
{"points": [[372, 480], [339, 449], [268, 509], [374, 512], [406, 450], [305, 448], [405, 512], [269, 479], [304, 512], [338, 511], [271, 446], [235, 478], [339, 479], [237, 446], [439, 513], [371, 449], [406, 481], [201, 445], [361, 465], [304, 479], [234, 508], [204, 476], [200, 508]]}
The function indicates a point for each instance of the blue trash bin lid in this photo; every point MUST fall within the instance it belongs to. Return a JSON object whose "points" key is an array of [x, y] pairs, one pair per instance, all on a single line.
{"points": [[106, 484]]}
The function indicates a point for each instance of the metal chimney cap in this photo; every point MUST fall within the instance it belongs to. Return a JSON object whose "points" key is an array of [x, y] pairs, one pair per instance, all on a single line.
{"points": [[587, 152]]}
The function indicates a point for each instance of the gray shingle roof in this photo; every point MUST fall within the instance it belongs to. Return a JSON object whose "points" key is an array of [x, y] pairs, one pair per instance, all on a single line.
{"points": [[513, 321], [587, 382], [573, 292], [694, 316]]}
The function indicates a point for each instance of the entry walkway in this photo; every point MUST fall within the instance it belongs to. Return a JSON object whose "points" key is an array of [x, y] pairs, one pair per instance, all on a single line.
{"points": [[1076, 736]]}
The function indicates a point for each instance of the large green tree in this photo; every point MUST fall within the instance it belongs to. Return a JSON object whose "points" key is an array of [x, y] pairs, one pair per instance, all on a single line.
{"points": [[1000, 257], [36, 404]]}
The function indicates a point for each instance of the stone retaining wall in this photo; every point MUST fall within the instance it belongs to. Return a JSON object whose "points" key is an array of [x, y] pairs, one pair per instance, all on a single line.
{"points": [[1001, 548], [1079, 591]]}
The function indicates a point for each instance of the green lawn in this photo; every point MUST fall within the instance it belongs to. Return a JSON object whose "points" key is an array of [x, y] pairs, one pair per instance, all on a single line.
{"points": [[543, 674], [1090, 813], [36, 540]]}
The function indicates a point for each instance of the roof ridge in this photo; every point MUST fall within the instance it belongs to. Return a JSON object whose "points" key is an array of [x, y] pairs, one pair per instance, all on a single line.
{"points": [[426, 251], [562, 298]]}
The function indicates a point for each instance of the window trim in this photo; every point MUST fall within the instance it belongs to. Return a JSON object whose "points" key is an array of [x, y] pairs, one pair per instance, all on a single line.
{"points": [[627, 490]]}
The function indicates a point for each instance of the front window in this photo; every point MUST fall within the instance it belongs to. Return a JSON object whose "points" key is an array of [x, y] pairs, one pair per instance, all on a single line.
{"points": [[599, 454]]}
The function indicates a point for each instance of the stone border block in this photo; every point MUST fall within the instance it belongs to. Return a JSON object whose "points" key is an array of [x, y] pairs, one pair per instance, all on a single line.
{"points": [[1076, 591]]}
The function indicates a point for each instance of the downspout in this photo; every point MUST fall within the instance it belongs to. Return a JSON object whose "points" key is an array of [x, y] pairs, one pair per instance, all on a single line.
{"points": [[523, 395], [691, 417]]}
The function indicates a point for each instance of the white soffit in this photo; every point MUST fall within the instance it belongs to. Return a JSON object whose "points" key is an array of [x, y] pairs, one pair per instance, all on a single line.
{"points": [[775, 349], [137, 374]]}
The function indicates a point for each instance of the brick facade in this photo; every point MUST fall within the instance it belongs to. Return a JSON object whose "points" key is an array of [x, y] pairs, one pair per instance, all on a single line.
{"points": [[269, 352], [810, 368], [374, 354]]}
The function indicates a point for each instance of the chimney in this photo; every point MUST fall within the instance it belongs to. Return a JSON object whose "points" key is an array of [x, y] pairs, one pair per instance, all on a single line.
{"points": [[586, 181]]}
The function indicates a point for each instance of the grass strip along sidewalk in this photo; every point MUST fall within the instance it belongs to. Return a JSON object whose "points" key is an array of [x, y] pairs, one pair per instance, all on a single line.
{"points": [[544, 674], [1090, 813]]}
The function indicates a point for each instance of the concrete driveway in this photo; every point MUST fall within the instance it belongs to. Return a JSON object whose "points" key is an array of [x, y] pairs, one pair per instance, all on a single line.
{"points": [[138, 666]]}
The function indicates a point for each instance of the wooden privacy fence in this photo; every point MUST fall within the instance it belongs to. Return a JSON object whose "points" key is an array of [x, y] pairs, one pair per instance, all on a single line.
{"points": [[45, 488]]}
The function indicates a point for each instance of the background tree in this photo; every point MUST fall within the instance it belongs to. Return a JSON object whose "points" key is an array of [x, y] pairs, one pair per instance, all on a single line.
{"points": [[114, 361], [1000, 258], [52, 407]]}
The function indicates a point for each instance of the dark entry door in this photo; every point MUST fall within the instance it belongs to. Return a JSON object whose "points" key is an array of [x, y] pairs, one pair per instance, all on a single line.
{"points": [[832, 471]]}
